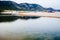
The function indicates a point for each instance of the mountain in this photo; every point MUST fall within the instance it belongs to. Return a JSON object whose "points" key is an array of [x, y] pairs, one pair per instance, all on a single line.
{"points": [[31, 7], [8, 5], [58, 10], [52, 9]]}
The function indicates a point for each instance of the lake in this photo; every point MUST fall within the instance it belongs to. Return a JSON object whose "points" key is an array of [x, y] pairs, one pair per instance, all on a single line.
{"points": [[42, 28]]}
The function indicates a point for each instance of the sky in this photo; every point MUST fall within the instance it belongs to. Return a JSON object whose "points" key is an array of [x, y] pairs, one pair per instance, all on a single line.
{"points": [[45, 3]]}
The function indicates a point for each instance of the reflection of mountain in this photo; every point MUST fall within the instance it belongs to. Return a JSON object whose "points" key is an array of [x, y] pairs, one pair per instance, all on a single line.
{"points": [[10, 5], [13, 18]]}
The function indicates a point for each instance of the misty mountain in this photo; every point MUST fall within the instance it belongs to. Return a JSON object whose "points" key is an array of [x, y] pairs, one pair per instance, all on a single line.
{"points": [[52, 9], [31, 7], [10, 5], [58, 10]]}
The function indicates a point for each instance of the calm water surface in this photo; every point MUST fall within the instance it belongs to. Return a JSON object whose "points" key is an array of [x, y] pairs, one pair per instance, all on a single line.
{"points": [[41, 25]]}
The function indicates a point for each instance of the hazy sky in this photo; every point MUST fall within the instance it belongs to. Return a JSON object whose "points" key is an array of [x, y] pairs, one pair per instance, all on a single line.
{"points": [[45, 3]]}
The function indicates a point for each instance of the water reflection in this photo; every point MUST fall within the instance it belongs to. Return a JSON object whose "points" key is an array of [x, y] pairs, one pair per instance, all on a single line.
{"points": [[13, 18], [7, 18], [37, 29]]}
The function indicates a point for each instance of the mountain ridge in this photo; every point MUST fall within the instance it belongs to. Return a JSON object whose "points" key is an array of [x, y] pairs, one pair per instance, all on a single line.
{"points": [[10, 5]]}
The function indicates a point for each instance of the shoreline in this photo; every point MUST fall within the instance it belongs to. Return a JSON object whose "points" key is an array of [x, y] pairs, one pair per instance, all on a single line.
{"points": [[36, 14]]}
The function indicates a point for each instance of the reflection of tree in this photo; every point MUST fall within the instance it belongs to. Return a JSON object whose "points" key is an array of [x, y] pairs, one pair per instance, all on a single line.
{"points": [[1, 11], [28, 17], [7, 18], [13, 18]]}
